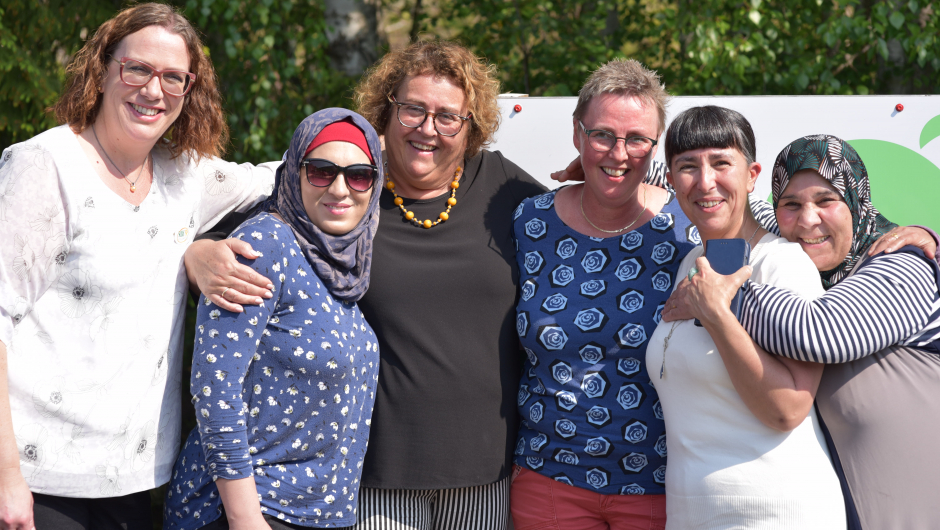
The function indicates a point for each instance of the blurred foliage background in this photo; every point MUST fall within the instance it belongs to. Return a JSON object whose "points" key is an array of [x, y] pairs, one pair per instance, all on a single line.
{"points": [[280, 60]]}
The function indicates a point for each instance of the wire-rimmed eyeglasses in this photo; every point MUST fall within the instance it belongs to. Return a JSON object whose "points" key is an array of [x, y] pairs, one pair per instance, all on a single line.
{"points": [[445, 123], [603, 141]]}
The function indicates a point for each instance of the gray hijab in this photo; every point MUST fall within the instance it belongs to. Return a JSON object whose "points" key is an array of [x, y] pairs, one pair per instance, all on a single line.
{"points": [[342, 262]]}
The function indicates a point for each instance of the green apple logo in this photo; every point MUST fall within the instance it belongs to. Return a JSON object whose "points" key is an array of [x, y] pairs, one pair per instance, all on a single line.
{"points": [[905, 186]]}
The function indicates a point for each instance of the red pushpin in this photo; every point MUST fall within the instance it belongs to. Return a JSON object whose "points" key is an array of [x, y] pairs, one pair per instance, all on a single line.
{"points": [[899, 107], [517, 108]]}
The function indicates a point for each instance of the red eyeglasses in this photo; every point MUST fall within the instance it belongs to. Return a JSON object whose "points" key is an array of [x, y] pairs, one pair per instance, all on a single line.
{"points": [[138, 73]]}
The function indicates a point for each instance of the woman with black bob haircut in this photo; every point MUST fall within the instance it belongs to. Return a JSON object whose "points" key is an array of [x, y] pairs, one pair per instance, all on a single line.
{"points": [[745, 447], [875, 330]]}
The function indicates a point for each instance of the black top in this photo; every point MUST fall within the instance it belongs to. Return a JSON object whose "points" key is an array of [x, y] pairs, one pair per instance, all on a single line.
{"points": [[442, 303]]}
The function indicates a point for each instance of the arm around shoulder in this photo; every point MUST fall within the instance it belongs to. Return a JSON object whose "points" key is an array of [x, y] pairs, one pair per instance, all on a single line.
{"points": [[778, 391]]}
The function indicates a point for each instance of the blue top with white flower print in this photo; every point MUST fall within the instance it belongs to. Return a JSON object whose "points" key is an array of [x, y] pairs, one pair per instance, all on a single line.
{"points": [[283, 392], [590, 416]]}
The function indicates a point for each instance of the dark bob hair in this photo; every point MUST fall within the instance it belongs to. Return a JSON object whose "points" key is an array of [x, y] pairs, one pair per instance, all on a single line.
{"points": [[710, 126]]}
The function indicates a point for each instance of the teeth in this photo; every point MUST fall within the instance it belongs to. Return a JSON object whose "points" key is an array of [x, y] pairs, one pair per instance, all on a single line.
{"points": [[614, 172], [709, 204], [145, 111], [422, 147], [815, 241]]}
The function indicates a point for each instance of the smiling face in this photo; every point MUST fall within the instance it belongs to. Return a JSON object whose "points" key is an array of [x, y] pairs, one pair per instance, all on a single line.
{"points": [[141, 115], [421, 160], [614, 175], [811, 212], [336, 209], [712, 185]]}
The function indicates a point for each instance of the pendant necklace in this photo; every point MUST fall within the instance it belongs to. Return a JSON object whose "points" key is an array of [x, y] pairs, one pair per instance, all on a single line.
{"points": [[132, 184]]}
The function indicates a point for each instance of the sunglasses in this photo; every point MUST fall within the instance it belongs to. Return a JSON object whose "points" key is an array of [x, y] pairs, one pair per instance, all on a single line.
{"points": [[321, 173]]}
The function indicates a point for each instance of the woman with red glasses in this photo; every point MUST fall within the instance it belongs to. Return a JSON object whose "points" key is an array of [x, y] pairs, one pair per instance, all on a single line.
{"points": [[96, 215], [284, 390]]}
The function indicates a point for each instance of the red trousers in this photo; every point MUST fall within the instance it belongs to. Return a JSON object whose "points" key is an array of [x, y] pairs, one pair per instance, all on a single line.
{"points": [[540, 503]]}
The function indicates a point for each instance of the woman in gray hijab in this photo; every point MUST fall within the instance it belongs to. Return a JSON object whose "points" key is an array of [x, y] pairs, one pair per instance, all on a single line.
{"points": [[284, 391]]}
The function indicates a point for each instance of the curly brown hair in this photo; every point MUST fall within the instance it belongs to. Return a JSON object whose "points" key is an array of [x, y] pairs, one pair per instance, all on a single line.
{"points": [[435, 58], [200, 130]]}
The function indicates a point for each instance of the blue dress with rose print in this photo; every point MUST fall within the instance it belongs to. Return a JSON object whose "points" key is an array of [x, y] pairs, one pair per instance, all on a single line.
{"points": [[590, 416], [283, 392]]}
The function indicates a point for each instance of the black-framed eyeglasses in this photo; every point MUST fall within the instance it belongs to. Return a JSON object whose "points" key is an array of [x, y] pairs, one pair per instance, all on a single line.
{"points": [[321, 173], [445, 123], [138, 73], [603, 141]]}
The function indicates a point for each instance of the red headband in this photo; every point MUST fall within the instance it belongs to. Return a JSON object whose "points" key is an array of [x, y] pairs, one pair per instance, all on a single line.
{"points": [[341, 131]]}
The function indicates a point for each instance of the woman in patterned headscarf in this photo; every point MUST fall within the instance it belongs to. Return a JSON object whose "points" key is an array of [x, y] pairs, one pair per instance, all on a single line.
{"points": [[877, 328], [284, 391]]}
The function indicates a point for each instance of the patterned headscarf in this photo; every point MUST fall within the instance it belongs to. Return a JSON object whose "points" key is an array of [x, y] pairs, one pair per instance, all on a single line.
{"points": [[839, 164], [342, 262]]}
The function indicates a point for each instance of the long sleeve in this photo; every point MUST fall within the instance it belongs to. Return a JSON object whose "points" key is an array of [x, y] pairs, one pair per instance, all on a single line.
{"points": [[34, 236], [888, 301], [226, 345]]}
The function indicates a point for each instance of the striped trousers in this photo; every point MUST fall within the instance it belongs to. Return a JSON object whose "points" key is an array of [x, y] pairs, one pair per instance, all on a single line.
{"points": [[474, 508]]}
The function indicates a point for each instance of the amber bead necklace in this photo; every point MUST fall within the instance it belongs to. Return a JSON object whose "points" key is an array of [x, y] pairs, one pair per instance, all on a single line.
{"points": [[409, 215]]}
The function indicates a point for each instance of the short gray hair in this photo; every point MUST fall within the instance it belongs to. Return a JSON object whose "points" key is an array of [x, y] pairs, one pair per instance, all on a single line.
{"points": [[626, 77]]}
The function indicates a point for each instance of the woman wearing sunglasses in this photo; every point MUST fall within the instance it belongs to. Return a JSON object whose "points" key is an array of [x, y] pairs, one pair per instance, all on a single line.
{"points": [[441, 298], [96, 215], [284, 390]]}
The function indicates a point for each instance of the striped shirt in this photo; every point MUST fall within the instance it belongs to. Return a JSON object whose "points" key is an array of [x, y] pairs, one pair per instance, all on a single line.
{"points": [[891, 299]]}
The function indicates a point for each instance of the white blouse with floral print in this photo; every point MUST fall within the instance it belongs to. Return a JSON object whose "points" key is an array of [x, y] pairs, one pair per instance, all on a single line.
{"points": [[92, 299]]}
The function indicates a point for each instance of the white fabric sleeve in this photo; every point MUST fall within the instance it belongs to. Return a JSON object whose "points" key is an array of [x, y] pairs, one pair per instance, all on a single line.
{"points": [[33, 231], [228, 187]]}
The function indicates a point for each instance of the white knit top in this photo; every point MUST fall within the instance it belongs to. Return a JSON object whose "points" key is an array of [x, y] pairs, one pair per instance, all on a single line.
{"points": [[727, 469]]}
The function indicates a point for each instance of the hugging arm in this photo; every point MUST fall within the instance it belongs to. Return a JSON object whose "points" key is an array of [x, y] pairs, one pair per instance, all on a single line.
{"points": [[212, 267], [887, 301], [921, 237], [778, 391]]}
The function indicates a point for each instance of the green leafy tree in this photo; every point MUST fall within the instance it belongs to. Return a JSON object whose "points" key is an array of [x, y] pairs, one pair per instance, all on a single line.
{"points": [[273, 66], [37, 38], [708, 46], [271, 58]]}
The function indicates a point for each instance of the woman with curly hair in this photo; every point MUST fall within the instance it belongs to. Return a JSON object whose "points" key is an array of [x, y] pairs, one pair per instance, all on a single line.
{"points": [[441, 297], [96, 216]]}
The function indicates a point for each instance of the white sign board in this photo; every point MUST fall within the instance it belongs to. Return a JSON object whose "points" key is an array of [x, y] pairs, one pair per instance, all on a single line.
{"points": [[898, 147]]}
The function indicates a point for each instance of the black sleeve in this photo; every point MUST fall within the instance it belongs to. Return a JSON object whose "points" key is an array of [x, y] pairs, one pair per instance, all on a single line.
{"points": [[228, 223], [521, 184]]}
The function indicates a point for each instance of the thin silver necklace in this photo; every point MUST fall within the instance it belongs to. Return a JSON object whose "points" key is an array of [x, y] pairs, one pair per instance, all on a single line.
{"points": [[581, 202], [133, 184], [662, 369], [752, 235]]}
